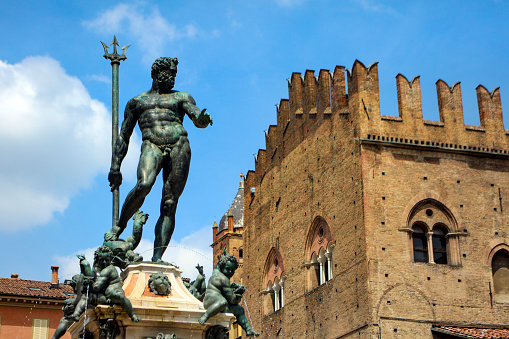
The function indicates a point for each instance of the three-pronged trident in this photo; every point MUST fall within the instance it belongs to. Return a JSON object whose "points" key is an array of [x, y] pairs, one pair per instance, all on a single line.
{"points": [[115, 59]]}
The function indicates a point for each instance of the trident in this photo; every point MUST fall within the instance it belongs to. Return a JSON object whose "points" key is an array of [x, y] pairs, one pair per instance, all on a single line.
{"points": [[115, 63]]}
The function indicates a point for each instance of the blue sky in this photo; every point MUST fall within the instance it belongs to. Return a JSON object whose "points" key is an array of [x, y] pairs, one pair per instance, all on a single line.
{"points": [[234, 58]]}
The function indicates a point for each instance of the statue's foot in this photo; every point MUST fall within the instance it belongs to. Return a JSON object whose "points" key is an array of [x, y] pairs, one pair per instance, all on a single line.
{"points": [[135, 318], [252, 333], [160, 261], [202, 320]]}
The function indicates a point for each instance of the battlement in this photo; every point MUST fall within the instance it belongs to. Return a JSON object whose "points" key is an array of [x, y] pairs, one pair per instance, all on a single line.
{"points": [[316, 99]]}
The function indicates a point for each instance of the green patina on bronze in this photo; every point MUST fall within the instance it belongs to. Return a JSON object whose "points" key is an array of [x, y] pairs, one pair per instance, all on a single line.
{"points": [[159, 113], [115, 59], [223, 296]]}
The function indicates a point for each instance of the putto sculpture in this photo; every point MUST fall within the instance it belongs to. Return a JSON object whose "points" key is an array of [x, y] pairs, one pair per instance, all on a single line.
{"points": [[223, 296], [159, 113], [123, 250], [198, 286]]}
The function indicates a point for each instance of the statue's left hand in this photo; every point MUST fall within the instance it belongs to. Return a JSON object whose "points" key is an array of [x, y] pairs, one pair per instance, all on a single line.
{"points": [[115, 179], [204, 118]]}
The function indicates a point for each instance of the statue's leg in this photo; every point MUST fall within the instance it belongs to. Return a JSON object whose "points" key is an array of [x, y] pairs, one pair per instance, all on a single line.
{"points": [[238, 312], [148, 169], [175, 171], [116, 294], [61, 328], [217, 306]]}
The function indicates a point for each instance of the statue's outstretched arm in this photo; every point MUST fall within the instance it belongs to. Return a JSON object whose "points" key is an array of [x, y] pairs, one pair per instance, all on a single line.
{"points": [[201, 119], [122, 143]]}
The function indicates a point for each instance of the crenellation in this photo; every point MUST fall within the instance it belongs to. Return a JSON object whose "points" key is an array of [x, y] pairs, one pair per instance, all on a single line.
{"points": [[271, 142], [323, 102], [364, 96], [283, 118], [490, 109], [409, 97], [312, 98], [310, 92], [339, 97], [295, 88], [260, 163]]}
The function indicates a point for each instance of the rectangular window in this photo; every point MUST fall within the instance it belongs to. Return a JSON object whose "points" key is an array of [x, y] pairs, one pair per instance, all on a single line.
{"points": [[40, 329]]}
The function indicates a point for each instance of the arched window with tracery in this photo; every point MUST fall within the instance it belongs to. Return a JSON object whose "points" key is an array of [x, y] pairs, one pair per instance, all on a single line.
{"points": [[319, 253], [434, 233], [273, 294]]}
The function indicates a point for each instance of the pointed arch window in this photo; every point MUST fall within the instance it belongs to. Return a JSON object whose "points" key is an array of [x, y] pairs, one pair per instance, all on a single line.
{"points": [[274, 294], [320, 250], [500, 272], [434, 234]]}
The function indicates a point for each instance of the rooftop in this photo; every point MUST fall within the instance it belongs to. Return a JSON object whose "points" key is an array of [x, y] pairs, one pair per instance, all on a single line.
{"points": [[34, 288]]}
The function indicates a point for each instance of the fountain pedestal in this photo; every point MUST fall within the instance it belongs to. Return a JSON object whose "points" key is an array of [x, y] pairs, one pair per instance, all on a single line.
{"points": [[176, 313]]}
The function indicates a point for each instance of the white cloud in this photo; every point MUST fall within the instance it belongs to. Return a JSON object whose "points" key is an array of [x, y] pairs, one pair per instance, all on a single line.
{"points": [[54, 139], [185, 253], [191, 250], [151, 30]]}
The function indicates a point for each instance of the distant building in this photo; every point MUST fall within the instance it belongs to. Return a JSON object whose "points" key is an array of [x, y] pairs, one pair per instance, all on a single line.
{"points": [[30, 308], [228, 234], [362, 225]]}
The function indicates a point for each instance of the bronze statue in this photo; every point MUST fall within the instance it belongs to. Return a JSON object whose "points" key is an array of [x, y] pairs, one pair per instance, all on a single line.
{"points": [[108, 282], [159, 112], [123, 250], [159, 284], [221, 296], [74, 307], [198, 286]]}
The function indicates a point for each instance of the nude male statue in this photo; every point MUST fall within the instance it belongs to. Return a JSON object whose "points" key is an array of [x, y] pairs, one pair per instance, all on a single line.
{"points": [[159, 112]]}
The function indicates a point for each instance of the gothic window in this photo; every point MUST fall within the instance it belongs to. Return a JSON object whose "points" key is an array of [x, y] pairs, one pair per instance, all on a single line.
{"points": [[434, 234], [241, 253], [500, 271], [420, 243], [320, 248], [274, 295]]}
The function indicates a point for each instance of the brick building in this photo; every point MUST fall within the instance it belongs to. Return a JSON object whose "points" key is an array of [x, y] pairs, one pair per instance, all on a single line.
{"points": [[361, 225], [30, 308]]}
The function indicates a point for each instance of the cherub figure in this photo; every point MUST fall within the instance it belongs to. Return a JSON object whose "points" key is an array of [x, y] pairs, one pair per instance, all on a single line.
{"points": [[108, 282], [123, 250], [198, 286], [221, 296]]}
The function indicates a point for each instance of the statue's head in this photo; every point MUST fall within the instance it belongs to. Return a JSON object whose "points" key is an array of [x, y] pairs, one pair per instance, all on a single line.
{"points": [[199, 268], [164, 71], [228, 264], [102, 256]]}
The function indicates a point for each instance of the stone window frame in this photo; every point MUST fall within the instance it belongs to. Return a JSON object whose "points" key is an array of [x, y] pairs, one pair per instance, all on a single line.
{"points": [[274, 281], [493, 250], [418, 213], [319, 253]]}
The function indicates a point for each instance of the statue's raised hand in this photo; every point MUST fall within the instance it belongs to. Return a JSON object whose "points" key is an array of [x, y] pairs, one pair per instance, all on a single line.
{"points": [[115, 179], [204, 118]]}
